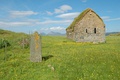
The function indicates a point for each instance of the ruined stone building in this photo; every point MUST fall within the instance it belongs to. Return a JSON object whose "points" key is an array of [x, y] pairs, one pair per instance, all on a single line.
{"points": [[87, 27]]}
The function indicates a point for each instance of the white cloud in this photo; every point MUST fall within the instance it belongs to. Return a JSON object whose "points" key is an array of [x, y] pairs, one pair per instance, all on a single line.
{"points": [[84, 0], [44, 29], [55, 22], [54, 29], [59, 11], [57, 28], [49, 13], [69, 15], [62, 9], [107, 18], [15, 24], [36, 22], [65, 7], [32, 22], [114, 19], [15, 14]]}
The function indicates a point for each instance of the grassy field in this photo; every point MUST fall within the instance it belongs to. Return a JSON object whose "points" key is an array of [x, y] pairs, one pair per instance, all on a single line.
{"points": [[63, 59]]}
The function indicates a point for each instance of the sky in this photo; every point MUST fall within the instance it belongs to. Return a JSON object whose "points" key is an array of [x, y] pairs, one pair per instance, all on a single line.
{"points": [[45, 16]]}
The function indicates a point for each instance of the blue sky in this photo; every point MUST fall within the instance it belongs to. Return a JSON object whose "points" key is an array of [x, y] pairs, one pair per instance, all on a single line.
{"points": [[54, 15]]}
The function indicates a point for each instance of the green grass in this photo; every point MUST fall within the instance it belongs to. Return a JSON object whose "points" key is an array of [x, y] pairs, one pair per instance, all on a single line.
{"points": [[70, 60]]}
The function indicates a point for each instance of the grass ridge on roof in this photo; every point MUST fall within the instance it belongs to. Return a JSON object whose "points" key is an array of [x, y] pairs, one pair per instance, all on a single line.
{"points": [[80, 17]]}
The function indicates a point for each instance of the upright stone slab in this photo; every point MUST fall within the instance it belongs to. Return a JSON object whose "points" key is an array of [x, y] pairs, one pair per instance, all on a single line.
{"points": [[35, 48]]}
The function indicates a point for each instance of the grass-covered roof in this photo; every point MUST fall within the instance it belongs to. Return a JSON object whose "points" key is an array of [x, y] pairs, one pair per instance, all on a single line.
{"points": [[80, 17]]}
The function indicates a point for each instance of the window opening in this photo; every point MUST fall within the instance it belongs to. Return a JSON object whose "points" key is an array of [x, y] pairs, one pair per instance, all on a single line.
{"points": [[94, 30], [86, 31]]}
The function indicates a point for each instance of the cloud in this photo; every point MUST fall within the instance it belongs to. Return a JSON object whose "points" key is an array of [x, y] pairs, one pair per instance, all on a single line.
{"points": [[32, 22], [55, 22], [69, 15], [49, 13], [62, 9], [15, 24], [54, 29], [25, 22], [84, 0], [57, 28], [15, 14], [107, 18], [114, 19]]}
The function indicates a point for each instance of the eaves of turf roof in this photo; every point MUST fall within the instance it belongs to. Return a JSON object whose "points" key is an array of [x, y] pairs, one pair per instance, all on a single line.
{"points": [[80, 17]]}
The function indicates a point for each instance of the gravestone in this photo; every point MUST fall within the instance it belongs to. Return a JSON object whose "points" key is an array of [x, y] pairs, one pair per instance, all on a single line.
{"points": [[35, 48]]}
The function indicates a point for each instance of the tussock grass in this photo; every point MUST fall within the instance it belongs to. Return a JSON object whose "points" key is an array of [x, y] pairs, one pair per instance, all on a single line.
{"points": [[64, 60]]}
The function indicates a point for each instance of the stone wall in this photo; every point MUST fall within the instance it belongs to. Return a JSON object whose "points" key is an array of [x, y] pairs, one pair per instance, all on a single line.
{"points": [[70, 34]]}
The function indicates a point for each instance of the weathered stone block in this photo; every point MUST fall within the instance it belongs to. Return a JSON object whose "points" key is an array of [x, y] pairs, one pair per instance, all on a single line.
{"points": [[35, 48]]}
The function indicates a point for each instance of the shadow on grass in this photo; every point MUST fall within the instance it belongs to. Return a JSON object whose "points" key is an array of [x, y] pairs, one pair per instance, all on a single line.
{"points": [[44, 58]]}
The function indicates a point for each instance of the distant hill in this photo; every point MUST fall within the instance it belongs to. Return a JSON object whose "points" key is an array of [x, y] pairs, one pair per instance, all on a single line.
{"points": [[5, 32], [11, 35], [43, 34], [113, 33], [55, 34], [9, 32]]}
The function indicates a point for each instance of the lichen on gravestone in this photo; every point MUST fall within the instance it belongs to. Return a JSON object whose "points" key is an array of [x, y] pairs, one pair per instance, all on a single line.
{"points": [[35, 48]]}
